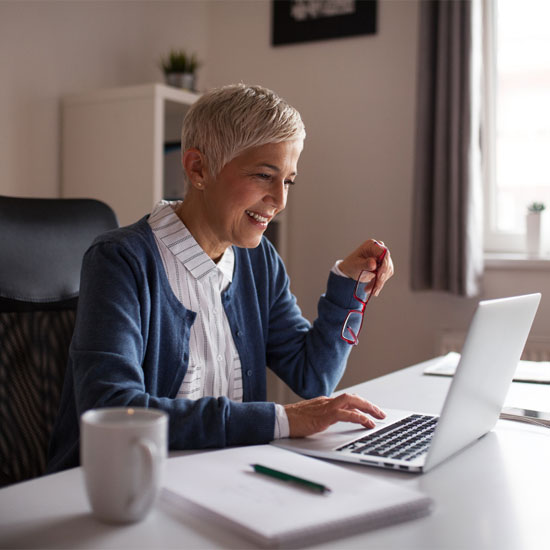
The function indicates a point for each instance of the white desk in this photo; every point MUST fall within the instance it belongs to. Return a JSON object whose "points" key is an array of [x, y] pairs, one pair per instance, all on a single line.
{"points": [[493, 495]]}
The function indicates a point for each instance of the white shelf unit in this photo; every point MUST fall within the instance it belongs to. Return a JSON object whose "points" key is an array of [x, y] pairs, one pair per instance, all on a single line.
{"points": [[113, 144]]}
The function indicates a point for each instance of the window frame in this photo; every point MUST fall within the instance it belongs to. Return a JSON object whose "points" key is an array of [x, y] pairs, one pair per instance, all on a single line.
{"points": [[497, 242]]}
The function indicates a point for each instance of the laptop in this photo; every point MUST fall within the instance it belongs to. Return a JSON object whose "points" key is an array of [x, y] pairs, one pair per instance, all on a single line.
{"points": [[413, 442]]}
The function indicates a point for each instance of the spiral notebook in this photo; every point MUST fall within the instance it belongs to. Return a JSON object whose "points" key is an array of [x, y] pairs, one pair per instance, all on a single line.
{"points": [[221, 486]]}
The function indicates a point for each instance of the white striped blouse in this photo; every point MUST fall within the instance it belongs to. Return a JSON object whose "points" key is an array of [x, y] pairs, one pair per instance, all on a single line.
{"points": [[198, 283]]}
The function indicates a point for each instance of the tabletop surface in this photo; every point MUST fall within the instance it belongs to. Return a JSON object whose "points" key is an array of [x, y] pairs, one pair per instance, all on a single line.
{"points": [[494, 494]]}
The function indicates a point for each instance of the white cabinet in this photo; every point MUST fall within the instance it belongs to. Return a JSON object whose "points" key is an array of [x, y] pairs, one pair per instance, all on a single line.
{"points": [[114, 143]]}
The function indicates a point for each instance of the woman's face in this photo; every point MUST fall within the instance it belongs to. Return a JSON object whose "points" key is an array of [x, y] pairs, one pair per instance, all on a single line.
{"points": [[247, 194]]}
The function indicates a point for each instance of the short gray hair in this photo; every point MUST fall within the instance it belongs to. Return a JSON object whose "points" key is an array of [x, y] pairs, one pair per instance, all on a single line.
{"points": [[225, 121]]}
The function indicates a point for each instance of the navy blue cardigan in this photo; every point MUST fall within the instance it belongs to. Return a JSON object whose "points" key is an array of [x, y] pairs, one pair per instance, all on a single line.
{"points": [[130, 346]]}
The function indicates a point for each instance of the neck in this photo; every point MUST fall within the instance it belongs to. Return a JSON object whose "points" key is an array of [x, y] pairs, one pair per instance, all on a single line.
{"points": [[192, 213]]}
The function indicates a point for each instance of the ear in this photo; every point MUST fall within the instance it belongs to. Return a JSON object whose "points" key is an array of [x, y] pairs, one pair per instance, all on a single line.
{"points": [[195, 166]]}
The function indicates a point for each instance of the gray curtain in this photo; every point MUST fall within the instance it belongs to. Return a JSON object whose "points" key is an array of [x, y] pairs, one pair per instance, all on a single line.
{"points": [[447, 247]]}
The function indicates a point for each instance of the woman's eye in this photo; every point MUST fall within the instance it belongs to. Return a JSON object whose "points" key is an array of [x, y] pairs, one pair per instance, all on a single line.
{"points": [[268, 178], [264, 177]]}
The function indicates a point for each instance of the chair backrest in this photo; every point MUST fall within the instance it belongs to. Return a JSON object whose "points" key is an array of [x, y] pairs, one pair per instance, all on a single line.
{"points": [[42, 242]]}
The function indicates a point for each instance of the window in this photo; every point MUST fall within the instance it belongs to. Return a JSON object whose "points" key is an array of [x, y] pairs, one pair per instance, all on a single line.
{"points": [[516, 139]]}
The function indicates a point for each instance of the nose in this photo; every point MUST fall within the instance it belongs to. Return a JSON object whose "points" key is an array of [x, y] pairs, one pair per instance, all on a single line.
{"points": [[277, 195]]}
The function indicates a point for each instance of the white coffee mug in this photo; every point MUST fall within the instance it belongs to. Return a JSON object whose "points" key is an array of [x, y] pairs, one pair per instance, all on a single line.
{"points": [[123, 452]]}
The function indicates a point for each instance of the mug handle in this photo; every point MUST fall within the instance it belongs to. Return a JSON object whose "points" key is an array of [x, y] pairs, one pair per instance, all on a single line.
{"points": [[143, 497]]}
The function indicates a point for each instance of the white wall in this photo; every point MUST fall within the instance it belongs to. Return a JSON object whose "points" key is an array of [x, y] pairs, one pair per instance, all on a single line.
{"points": [[357, 98]]}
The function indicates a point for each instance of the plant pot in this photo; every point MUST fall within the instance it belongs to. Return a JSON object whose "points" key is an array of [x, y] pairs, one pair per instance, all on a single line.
{"points": [[181, 80], [533, 234]]}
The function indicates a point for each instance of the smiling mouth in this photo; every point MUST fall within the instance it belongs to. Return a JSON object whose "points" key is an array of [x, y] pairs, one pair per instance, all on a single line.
{"points": [[257, 217]]}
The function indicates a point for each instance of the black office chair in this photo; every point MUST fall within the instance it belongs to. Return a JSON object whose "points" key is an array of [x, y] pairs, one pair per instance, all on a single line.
{"points": [[42, 242]]}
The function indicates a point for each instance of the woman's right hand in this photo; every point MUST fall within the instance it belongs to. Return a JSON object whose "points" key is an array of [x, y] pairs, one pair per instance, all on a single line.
{"points": [[315, 415]]}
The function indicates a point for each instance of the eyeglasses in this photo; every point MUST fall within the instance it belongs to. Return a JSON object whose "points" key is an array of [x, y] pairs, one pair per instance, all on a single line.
{"points": [[362, 293]]}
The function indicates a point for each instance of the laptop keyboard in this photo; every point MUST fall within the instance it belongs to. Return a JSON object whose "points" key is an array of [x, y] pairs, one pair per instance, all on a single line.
{"points": [[405, 440]]}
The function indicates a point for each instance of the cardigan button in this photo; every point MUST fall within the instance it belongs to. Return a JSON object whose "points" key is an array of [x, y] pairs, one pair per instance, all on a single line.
{"points": [[248, 373], [239, 333]]}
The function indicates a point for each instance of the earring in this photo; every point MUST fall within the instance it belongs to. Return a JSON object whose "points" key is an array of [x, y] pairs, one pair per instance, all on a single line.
{"points": [[199, 184]]}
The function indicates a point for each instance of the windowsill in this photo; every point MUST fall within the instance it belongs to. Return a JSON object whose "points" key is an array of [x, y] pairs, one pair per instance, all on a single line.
{"points": [[500, 260]]}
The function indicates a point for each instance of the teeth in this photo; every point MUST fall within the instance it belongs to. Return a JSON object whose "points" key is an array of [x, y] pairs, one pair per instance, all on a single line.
{"points": [[257, 217]]}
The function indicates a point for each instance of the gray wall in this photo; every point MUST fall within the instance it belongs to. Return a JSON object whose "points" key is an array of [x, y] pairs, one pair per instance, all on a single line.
{"points": [[357, 98]]}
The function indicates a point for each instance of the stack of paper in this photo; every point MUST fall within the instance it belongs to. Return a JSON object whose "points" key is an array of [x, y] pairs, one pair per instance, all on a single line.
{"points": [[527, 371]]}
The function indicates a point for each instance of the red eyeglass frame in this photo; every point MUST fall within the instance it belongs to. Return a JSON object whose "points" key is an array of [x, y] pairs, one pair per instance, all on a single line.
{"points": [[364, 303]]}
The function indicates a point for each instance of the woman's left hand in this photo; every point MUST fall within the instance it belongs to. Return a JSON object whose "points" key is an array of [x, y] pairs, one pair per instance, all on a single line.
{"points": [[365, 258]]}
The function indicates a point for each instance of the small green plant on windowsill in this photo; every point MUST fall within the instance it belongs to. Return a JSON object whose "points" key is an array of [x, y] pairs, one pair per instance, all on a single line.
{"points": [[536, 207]]}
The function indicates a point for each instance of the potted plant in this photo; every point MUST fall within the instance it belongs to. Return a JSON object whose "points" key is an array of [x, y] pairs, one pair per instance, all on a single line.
{"points": [[179, 69], [534, 211]]}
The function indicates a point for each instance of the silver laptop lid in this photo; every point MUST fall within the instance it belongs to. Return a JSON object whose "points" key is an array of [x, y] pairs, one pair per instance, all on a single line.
{"points": [[489, 358]]}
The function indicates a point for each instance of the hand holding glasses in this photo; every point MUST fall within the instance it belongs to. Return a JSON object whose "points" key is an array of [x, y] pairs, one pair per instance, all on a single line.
{"points": [[362, 293]]}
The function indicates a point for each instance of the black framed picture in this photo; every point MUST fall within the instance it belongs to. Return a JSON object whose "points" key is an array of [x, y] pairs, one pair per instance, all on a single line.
{"points": [[295, 21]]}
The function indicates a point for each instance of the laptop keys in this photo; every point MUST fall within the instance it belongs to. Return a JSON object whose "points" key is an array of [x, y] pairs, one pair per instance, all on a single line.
{"points": [[406, 439]]}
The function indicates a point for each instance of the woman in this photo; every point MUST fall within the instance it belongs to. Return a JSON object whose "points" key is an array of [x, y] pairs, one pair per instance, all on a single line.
{"points": [[183, 310]]}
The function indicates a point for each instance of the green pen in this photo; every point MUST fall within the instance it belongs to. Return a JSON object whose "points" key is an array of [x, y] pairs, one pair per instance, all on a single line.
{"points": [[317, 487]]}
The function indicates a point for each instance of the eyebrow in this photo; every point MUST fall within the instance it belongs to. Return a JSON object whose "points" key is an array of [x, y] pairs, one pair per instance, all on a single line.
{"points": [[274, 168]]}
